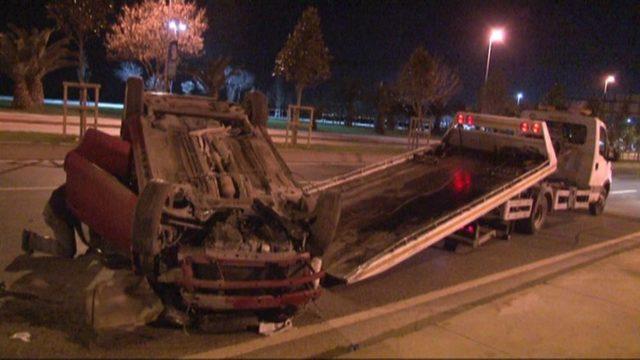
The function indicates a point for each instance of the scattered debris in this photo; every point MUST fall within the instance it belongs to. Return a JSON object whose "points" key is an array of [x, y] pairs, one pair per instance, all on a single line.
{"points": [[121, 299], [24, 336], [270, 328]]}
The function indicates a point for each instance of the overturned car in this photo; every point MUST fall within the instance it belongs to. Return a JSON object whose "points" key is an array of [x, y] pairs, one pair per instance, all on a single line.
{"points": [[202, 204]]}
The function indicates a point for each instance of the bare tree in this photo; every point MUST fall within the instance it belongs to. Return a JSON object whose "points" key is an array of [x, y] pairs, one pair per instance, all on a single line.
{"points": [[384, 100], [446, 84], [416, 81], [80, 20]]}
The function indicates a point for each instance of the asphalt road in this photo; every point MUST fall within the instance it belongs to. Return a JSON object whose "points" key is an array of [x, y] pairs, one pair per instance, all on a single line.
{"points": [[53, 315]]}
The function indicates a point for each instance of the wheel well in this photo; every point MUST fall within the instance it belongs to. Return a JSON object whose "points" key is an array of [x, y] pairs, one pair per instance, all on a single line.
{"points": [[607, 186]]}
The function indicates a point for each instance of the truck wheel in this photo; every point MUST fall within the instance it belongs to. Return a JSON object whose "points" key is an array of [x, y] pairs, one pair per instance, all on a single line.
{"points": [[533, 223], [597, 207]]}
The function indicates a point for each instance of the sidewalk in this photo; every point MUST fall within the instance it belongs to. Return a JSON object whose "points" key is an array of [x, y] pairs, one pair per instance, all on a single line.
{"points": [[593, 311], [16, 121]]}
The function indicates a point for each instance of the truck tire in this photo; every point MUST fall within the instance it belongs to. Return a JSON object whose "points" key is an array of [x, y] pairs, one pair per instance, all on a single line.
{"points": [[597, 207], [533, 223]]}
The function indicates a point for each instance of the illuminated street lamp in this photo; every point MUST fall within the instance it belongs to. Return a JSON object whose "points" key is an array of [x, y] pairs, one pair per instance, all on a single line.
{"points": [[497, 35], [518, 98], [177, 26], [609, 79], [171, 60]]}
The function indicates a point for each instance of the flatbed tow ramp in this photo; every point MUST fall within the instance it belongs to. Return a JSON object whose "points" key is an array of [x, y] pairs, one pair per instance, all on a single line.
{"points": [[392, 210]]}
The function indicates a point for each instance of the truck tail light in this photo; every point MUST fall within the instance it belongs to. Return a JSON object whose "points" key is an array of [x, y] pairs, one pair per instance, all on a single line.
{"points": [[536, 128], [524, 127], [469, 120], [460, 119]]}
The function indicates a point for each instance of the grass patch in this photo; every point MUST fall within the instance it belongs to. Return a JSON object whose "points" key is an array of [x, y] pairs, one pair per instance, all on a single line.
{"points": [[273, 123], [57, 110], [350, 149], [279, 123], [28, 136]]}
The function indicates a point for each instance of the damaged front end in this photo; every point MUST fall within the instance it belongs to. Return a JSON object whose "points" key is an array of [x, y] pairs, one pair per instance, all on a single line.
{"points": [[234, 259], [218, 223]]}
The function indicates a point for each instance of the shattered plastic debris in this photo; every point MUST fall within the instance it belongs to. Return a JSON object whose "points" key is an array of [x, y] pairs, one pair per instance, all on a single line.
{"points": [[24, 336], [271, 328]]}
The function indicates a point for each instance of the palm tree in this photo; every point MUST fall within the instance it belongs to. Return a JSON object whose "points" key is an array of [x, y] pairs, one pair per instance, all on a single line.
{"points": [[26, 57], [46, 58], [210, 74], [14, 62]]}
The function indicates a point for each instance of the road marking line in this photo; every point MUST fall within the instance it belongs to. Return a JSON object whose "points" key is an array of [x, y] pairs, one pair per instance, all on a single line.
{"points": [[620, 192], [28, 188], [297, 333]]}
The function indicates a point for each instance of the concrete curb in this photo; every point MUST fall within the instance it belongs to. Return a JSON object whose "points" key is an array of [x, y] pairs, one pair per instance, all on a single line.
{"points": [[17, 150], [500, 283]]}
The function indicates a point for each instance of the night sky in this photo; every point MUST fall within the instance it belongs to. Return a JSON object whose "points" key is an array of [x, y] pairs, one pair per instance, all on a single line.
{"points": [[574, 43]]}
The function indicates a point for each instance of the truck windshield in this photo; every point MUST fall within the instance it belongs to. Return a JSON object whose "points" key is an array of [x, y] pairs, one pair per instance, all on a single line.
{"points": [[571, 133]]}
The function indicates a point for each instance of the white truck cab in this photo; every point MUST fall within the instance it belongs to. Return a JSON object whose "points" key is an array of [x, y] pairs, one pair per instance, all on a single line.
{"points": [[584, 159]]}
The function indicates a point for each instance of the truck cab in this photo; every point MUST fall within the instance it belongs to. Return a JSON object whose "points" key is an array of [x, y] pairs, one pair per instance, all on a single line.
{"points": [[583, 152]]}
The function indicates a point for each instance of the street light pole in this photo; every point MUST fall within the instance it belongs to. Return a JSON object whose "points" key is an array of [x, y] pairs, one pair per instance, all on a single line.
{"points": [[172, 58], [497, 35], [609, 79], [486, 73]]}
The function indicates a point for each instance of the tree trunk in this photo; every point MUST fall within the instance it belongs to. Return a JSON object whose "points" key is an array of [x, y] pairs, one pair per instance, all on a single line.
{"points": [[437, 116], [21, 96], [83, 66], [36, 90], [296, 115], [350, 115], [391, 122], [379, 126], [213, 93]]}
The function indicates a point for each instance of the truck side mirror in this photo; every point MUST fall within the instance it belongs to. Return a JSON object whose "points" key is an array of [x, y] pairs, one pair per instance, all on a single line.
{"points": [[613, 155]]}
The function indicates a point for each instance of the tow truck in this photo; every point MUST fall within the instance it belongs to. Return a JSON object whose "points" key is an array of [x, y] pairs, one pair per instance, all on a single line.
{"points": [[206, 209], [489, 175]]}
